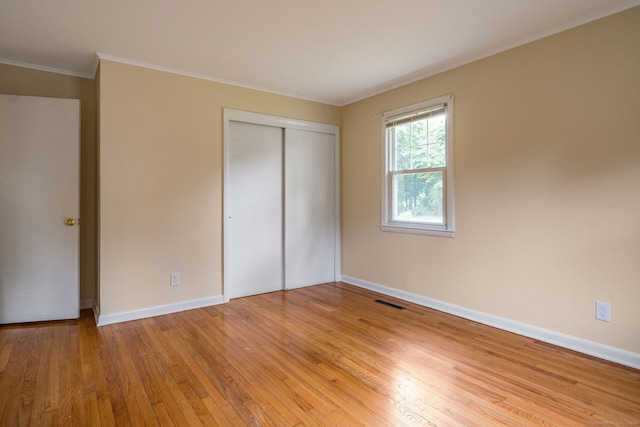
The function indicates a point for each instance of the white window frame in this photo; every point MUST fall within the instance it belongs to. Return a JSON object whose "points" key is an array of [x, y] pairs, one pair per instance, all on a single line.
{"points": [[388, 224]]}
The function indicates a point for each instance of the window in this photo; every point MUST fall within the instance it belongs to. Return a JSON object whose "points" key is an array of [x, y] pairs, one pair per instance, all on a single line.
{"points": [[418, 168]]}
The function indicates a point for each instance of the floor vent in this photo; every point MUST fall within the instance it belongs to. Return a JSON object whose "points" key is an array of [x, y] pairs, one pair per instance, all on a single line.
{"points": [[388, 304]]}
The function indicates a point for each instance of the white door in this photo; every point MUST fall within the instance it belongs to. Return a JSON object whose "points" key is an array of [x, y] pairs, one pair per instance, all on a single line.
{"points": [[309, 208], [39, 182], [254, 211]]}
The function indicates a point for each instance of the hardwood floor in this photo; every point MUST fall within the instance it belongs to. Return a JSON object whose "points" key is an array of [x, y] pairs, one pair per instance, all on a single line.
{"points": [[324, 355]]}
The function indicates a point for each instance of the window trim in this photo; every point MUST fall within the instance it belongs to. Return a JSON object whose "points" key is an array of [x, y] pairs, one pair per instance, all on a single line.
{"points": [[446, 230]]}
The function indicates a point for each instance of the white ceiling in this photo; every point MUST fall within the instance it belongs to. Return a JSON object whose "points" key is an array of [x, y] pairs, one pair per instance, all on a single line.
{"points": [[333, 51]]}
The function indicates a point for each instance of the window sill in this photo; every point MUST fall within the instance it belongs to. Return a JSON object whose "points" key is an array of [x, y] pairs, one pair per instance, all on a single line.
{"points": [[415, 230]]}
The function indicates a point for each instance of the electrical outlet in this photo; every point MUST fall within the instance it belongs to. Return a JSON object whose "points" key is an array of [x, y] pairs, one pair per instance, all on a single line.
{"points": [[175, 279], [603, 311]]}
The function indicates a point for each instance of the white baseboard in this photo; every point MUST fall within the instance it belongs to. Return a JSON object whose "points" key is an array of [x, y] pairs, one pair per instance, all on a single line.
{"points": [[591, 348], [159, 310]]}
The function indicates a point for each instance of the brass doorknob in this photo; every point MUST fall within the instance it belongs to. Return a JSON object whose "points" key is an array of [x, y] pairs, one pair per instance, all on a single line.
{"points": [[70, 221]]}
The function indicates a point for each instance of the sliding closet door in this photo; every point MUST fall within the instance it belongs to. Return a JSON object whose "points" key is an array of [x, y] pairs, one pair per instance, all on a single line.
{"points": [[281, 209], [254, 211], [310, 211]]}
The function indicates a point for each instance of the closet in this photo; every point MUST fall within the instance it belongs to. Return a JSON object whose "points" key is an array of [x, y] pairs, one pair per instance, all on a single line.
{"points": [[281, 203]]}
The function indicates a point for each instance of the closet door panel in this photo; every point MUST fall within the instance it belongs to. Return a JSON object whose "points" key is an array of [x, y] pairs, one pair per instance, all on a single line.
{"points": [[254, 211], [309, 208]]}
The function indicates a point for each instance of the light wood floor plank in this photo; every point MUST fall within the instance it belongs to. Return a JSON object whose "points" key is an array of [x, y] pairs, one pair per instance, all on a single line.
{"points": [[317, 356]]}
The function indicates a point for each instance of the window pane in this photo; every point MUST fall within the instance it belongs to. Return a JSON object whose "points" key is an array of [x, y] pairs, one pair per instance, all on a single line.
{"points": [[437, 141], [402, 147], [419, 150], [420, 144], [418, 197]]}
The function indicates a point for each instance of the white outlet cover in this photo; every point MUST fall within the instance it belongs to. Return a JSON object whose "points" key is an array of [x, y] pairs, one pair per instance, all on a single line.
{"points": [[603, 311], [175, 279]]}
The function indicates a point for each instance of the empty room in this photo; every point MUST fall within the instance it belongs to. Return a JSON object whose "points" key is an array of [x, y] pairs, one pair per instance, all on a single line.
{"points": [[320, 213]]}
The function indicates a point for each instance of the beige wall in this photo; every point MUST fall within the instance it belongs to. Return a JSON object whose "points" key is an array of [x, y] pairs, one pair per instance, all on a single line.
{"points": [[547, 186], [23, 81], [161, 181]]}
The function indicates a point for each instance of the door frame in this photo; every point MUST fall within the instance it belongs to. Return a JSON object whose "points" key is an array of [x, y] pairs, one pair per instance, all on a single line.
{"points": [[230, 115]]}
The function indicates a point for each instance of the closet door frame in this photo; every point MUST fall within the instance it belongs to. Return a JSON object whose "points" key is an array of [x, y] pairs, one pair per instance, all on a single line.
{"points": [[231, 115]]}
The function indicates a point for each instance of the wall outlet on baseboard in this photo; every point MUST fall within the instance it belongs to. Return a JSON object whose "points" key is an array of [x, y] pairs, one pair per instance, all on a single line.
{"points": [[603, 311], [175, 279]]}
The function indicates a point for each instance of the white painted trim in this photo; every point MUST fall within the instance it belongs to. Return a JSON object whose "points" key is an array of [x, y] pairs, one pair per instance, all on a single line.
{"points": [[226, 246], [277, 121], [417, 230], [47, 69], [591, 348], [337, 218], [159, 310]]}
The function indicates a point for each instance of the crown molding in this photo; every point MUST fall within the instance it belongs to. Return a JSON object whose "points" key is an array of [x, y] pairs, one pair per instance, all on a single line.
{"points": [[111, 58], [459, 62], [46, 69]]}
